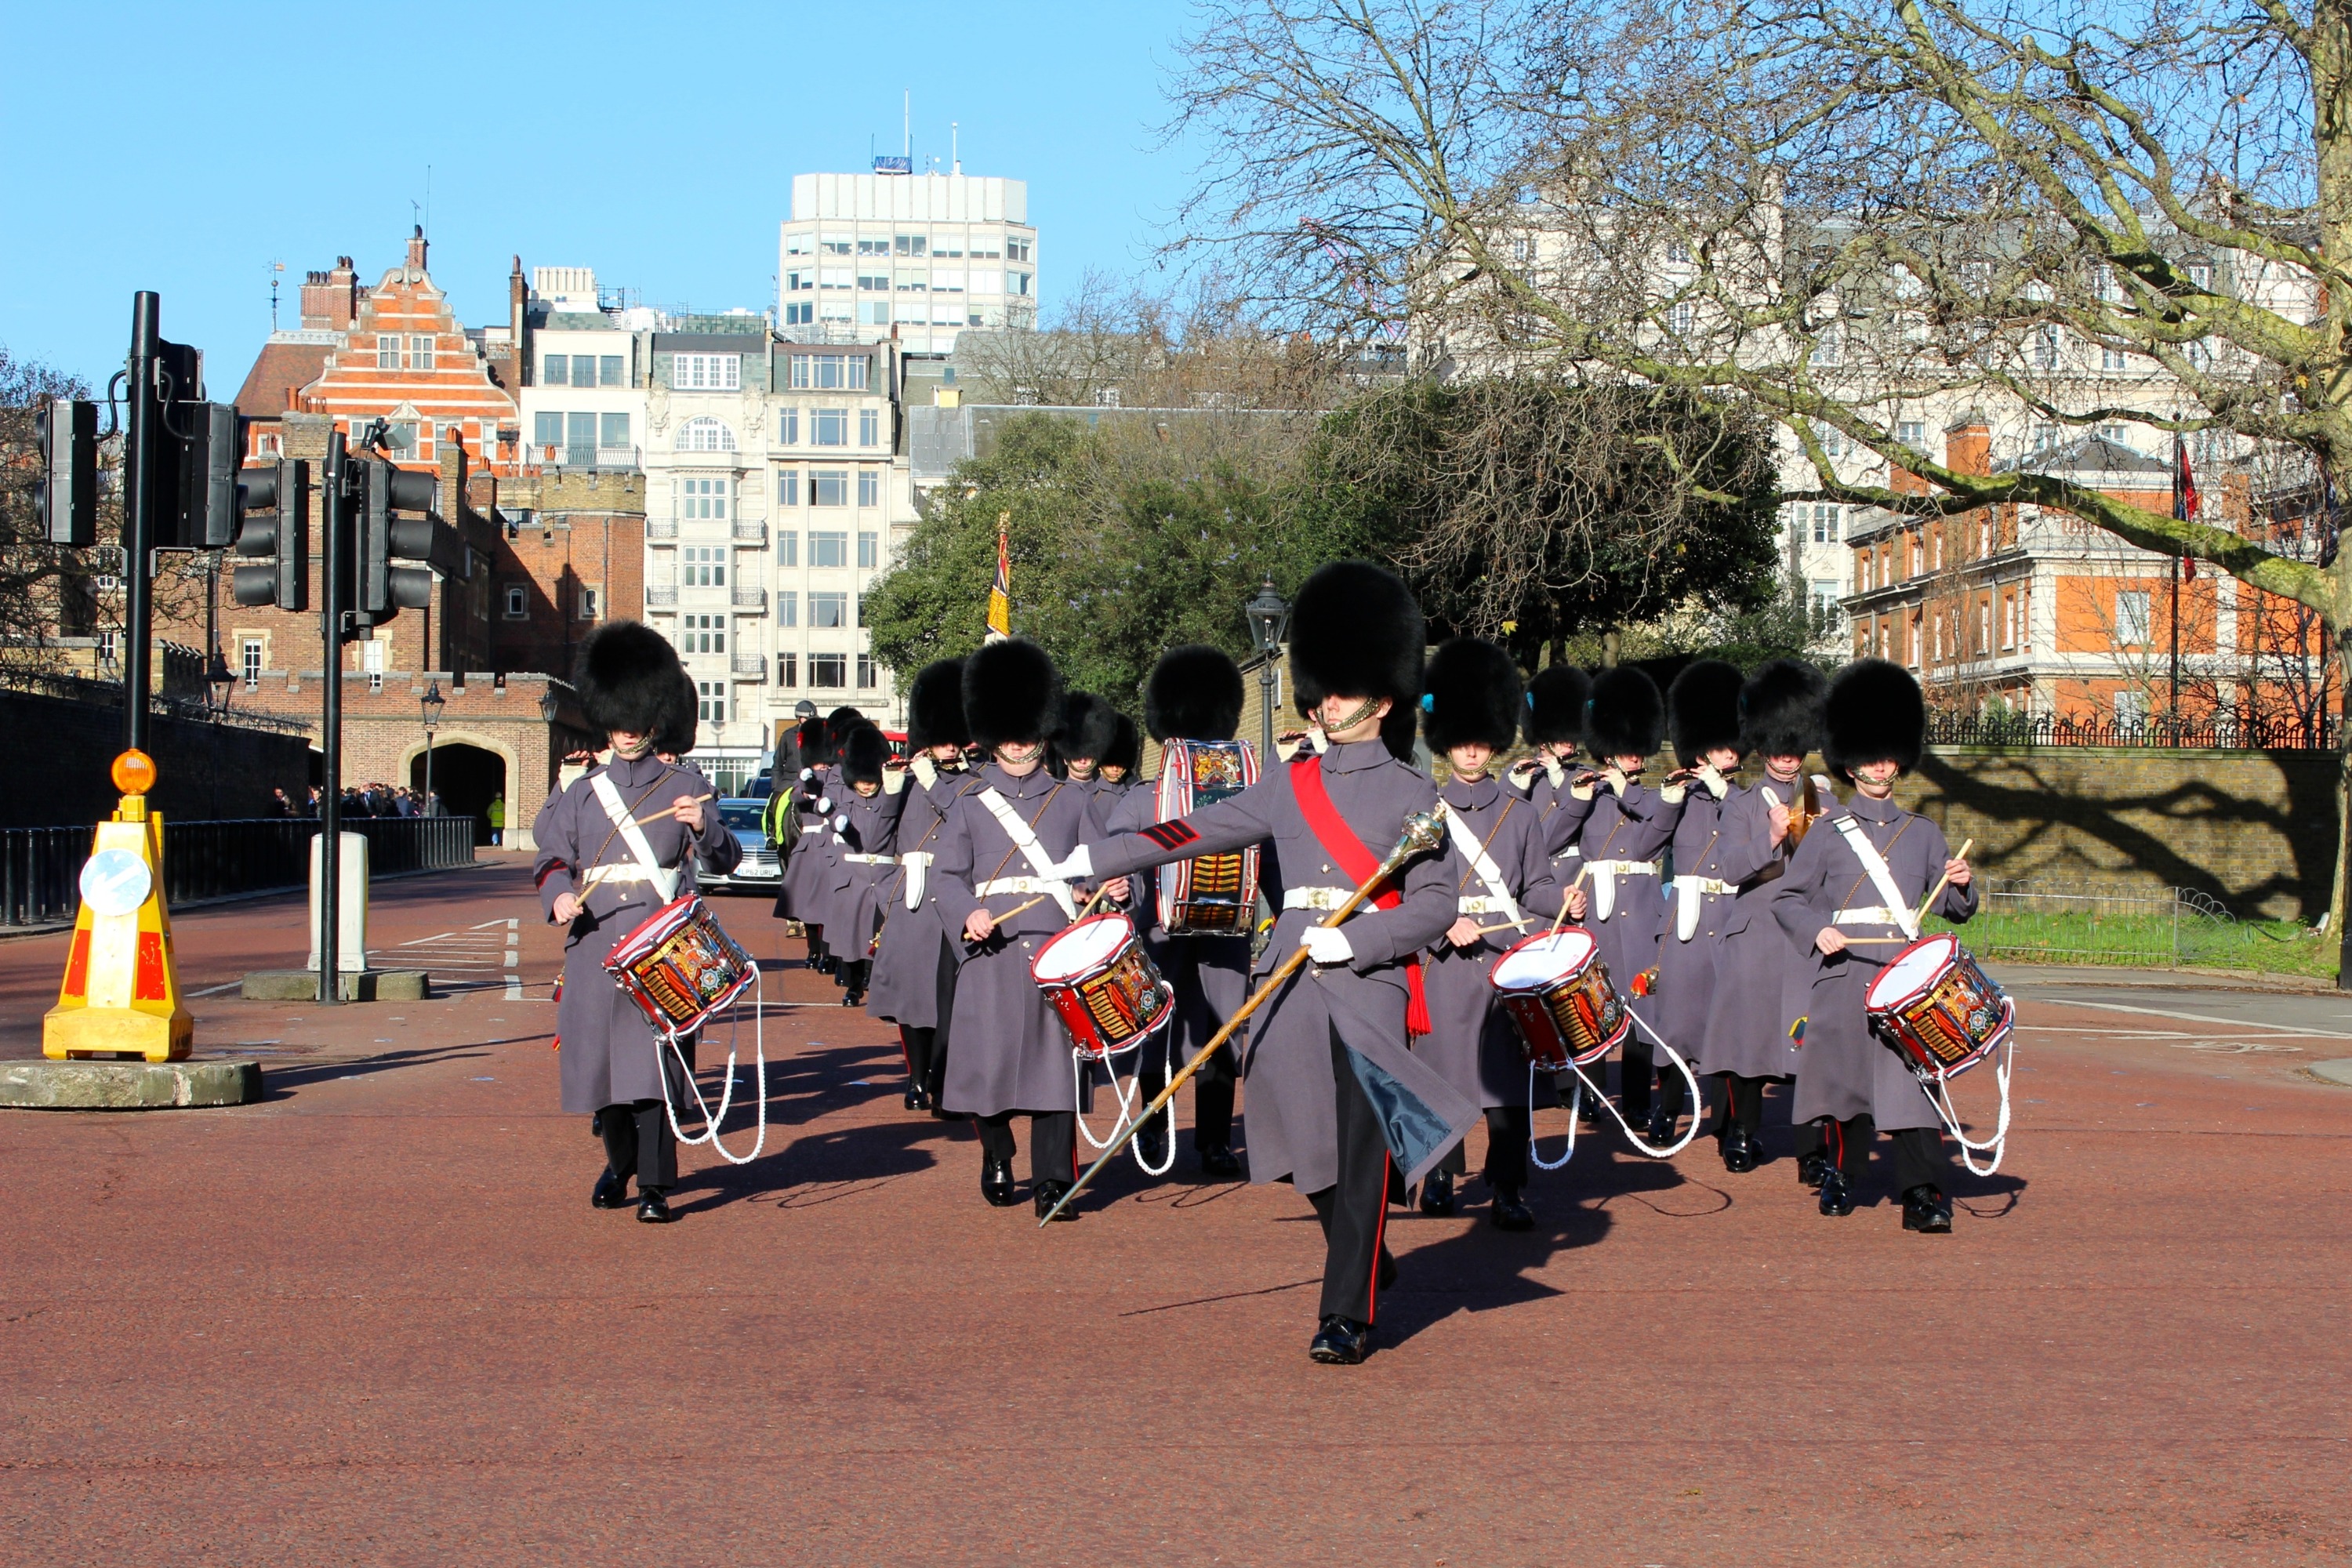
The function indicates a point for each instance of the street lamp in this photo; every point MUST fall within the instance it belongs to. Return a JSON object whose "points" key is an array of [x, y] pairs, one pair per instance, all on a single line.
{"points": [[1269, 619], [432, 702], [218, 679]]}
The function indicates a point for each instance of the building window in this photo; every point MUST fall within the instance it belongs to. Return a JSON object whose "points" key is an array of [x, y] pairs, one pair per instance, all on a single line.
{"points": [[705, 435], [788, 540], [787, 607], [703, 634], [2131, 709], [788, 487], [874, 282], [608, 371], [827, 372], [703, 499], [861, 609], [828, 547], [874, 312], [579, 440], [828, 612], [557, 371], [869, 548], [704, 567], [800, 313], [869, 488], [1825, 523], [828, 486], [420, 353], [829, 426], [249, 661], [1984, 628], [546, 429], [912, 244], [710, 701], [788, 427], [788, 669], [2111, 358], [866, 676], [1825, 601], [2131, 617], [707, 373], [2008, 621], [592, 603], [612, 431], [828, 670], [869, 426], [387, 353], [372, 654], [518, 602]]}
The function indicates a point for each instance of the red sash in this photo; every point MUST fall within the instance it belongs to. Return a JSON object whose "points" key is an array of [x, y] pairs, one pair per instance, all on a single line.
{"points": [[1357, 862]]}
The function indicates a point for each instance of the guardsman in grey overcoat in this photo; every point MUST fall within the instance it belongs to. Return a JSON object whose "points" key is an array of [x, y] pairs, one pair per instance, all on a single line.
{"points": [[914, 970], [1120, 765], [1334, 1094], [1760, 978], [1003, 835], [1703, 721], [1831, 903], [864, 828], [1505, 892], [808, 862], [1627, 831], [1557, 699], [1193, 693], [592, 880], [1089, 729]]}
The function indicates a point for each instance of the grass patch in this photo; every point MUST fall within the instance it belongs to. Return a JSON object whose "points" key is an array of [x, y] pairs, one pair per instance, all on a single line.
{"points": [[2142, 939]]}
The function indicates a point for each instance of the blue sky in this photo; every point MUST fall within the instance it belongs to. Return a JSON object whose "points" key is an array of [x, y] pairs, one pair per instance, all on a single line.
{"points": [[185, 147]]}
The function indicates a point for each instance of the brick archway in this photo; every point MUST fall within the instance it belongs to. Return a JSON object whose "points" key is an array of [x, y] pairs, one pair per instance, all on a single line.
{"points": [[468, 767]]}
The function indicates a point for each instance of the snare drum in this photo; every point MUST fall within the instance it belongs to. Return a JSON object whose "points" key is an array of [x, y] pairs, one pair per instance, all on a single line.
{"points": [[681, 967], [1104, 984], [1937, 1008], [1210, 895], [1558, 993]]}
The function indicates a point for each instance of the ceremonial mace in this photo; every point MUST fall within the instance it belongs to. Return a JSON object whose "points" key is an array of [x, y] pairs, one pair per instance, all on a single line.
{"points": [[1423, 831]]}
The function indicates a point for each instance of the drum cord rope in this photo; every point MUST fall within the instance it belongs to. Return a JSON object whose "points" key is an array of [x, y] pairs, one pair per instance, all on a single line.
{"points": [[1129, 1097], [1576, 1103], [712, 1121], [1940, 1095]]}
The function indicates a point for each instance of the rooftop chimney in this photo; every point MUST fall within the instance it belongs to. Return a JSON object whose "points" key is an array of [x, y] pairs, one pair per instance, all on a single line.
{"points": [[330, 299], [417, 244]]}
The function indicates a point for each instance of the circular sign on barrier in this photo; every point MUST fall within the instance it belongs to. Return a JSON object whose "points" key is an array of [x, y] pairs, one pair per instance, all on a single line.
{"points": [[115, 882]]}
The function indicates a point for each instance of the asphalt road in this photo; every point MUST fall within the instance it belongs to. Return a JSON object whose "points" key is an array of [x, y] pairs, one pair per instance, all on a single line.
{"points": [[372, 1319]]}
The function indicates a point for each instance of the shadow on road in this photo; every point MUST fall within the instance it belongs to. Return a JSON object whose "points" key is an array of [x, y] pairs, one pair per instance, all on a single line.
{"points": [[283, 1083]]}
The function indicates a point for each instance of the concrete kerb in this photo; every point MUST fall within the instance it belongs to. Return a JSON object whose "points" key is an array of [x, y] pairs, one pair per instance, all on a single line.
{"points": [[41, 1084], [10, 933], [2339, 1072]]}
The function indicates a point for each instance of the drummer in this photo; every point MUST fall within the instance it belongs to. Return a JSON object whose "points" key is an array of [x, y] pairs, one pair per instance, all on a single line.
{"points": [[611, 851], [1848, 899], [1505, 891], [1703, 721], [914, 970]]}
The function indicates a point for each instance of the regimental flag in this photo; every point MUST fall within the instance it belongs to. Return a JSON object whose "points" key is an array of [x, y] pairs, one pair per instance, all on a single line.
{"points": [[1000, 592], [2184, 500]]}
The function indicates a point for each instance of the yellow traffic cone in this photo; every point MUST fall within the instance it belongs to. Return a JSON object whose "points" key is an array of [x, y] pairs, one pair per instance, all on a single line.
{"points": [[121, 993]]}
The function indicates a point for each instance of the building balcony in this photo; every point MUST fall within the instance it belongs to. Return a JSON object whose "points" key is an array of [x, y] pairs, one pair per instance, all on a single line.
{"points": [[754, 534], [661, 529], [750, 666], [661, 595], [747, 598], [569, 455]]}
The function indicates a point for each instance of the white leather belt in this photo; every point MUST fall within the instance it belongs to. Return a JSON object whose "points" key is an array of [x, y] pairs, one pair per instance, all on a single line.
{"points": [[1480, 904], [1867, 915], [1017, 885], [871, 859], [1625, 868], [1324, 899], [631, 873], [1705, 885]]}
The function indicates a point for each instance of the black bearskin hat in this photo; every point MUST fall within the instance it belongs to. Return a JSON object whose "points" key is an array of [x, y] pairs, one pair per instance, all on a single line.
{"points": [[1090, 726], [1703, 710], [629, 679], [1555, 699], [678, 739], [808, 742], [935, 706], [1127, 751], [1194, 694], [1874, 713], [1357, 632], [1625, 717], [862, 753], [1474, 694], [1012, 693], [1780, 708]]}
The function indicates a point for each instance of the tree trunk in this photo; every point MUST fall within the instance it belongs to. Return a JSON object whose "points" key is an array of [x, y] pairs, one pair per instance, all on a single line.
{"points": [[1611, 641]]}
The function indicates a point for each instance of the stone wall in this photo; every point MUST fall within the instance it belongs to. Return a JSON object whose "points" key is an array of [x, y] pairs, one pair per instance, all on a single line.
{"points": [[63, 750]]}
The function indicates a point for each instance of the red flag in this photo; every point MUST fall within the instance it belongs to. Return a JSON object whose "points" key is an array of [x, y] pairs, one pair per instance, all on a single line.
{"points": [[2184, 501]]}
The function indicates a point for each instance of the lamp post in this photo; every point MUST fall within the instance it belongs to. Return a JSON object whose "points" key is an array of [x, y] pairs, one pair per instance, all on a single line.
{"points": [[432, 702], [218, 680], [1269, 619]]}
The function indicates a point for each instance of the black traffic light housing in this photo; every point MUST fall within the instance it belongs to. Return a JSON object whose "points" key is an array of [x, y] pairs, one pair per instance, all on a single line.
{"points": [[385, 586], [208, 488], [274, 507], [67, 491]]}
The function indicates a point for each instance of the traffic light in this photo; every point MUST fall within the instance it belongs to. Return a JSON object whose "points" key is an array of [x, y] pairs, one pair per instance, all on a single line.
{"points": [[208, 492], [274, 507], [385, 587], [67, 491]]}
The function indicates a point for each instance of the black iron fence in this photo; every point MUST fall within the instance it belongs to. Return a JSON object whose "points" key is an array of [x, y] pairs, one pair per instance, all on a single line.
{"points": [[2222, 732], [40, 868]]}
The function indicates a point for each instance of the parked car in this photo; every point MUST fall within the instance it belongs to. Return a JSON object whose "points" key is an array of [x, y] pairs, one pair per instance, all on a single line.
{"points": [[759, 869]]}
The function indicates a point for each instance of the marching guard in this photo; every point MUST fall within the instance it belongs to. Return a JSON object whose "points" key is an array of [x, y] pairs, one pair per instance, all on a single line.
{"points": [[1336, 1094], [914, 967], [614, 847], [1000, 895], [1628, 824], [1471, 711], [1761, 977], [860, 832], [810, 862], [1849, 899], [1117, 768], [1089, 730], [1703, 721]]}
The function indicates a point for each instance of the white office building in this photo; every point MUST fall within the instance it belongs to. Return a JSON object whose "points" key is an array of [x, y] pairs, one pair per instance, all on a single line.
{"points": [[928, 255], [583, 397]]}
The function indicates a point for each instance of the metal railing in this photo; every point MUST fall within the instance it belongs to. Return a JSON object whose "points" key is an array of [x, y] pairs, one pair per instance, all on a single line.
{"points": [[40, 868], [748, 534], [749, 598], [661, 595], [2087, 923], [2224, 732]]}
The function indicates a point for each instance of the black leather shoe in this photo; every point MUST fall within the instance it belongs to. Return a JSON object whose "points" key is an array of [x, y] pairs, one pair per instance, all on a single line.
{"points": [[1661, 1126], [1510, 1212], [1738, 1152], [1928, 1211], [1811, 1167], [852, 998], [1837, 1198], [1049, 1193], [1221, 1163], [996, 1183], [653, 1208], [612, 1192], [1437, 1193], [1342, 1342], [917, 1098]]}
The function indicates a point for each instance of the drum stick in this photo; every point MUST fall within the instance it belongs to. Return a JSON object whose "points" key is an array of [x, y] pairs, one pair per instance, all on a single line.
{"points": [[1560, 918], [655, 816], [1422, 831], [1502, 926], [1016, 909], [1937, 891]]}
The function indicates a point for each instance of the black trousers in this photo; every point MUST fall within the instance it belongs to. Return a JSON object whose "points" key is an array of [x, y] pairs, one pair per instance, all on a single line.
{"points": [[1212, 1093], [919, 1043], [1052, 1143], [1920, 1157], [1743, 1103], [944, 981], [637, 1142], [1354, 1211], [1636, 1066], [1505, 1169]]}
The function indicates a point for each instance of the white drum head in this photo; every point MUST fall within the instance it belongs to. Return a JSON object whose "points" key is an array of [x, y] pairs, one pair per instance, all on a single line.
{"points": [[1082, 949], [1913, 970], [1540, 961]]}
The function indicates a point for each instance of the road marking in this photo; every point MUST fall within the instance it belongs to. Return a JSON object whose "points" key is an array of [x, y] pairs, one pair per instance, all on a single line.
{"points": [[445, 936], [2195, 1019], [214, 990]]}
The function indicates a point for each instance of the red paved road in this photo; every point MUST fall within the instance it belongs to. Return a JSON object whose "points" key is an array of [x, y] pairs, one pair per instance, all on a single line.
{"points": [[374, 1320]]}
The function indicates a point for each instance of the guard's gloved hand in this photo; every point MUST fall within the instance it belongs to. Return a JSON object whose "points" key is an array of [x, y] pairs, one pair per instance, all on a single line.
{"points": [[1326, 944], [824, 805], [893, 780], [1617, 780], [926, 772], [1673, 794], [1712, 776]]}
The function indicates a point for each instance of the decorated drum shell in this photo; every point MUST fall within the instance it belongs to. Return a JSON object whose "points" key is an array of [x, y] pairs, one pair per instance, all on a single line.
{"points": [[679, 965], [1558, 995], [1103, 985], [1935, 1005]]}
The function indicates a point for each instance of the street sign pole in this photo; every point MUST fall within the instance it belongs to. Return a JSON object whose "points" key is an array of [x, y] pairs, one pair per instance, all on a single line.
{"points": [[334, 540], [143, 431]]}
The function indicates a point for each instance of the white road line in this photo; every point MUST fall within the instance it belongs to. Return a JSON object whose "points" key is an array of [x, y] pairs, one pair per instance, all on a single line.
{"points": [[514, 988], [213, 990], [422, 940], [2195, 1019]]}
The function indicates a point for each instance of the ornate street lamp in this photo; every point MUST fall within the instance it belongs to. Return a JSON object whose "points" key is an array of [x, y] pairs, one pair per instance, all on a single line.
{"points": [[1269, 622], [219, 681], [432, 702]]}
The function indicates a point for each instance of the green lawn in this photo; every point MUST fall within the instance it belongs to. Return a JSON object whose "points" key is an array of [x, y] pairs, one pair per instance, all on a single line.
{"points": [[2143, 938]]}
